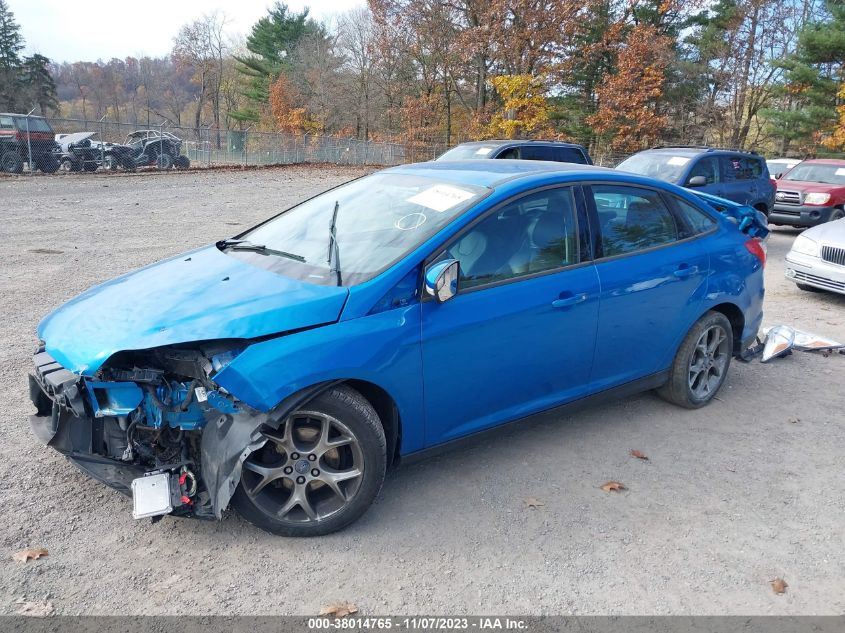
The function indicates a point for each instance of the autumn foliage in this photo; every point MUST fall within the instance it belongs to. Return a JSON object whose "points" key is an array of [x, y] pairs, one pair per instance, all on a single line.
{"points": [[524, 111], [628, 101]]}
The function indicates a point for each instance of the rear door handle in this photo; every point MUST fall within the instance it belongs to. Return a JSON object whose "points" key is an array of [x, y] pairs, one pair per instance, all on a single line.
{"points": [[685, 271], [569, 301]]}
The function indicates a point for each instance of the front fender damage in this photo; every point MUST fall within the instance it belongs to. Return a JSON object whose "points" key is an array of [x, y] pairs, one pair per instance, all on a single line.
{"points": [[229, 440]]}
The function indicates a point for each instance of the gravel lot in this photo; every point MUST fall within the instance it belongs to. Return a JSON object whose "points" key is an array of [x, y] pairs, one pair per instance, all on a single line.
{"points": [[744, 491]]}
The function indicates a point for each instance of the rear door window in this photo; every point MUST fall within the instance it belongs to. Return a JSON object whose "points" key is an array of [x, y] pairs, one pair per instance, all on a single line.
{"points": [[697, 221], [740, 168], [569, 155], [632, 219], [537, 152]]}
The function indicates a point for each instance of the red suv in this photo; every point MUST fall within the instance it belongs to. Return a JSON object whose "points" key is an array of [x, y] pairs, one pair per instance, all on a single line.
{"points": [[811, 193], [22, 136]]}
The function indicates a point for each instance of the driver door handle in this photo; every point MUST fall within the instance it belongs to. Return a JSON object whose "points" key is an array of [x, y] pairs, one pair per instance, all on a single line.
{"points": [[569, 301]]}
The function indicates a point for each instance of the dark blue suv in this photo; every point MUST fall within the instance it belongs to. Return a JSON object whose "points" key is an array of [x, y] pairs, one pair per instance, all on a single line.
{"points": [[732, 174], [555, 151]]}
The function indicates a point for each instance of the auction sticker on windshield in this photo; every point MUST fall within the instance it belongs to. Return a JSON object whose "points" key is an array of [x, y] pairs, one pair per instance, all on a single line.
{"points": [[678, 160], [441, 197]]}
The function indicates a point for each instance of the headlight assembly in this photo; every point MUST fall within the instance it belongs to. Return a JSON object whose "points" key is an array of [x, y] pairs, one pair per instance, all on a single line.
{"points": [[817, 198], [805, 246]]}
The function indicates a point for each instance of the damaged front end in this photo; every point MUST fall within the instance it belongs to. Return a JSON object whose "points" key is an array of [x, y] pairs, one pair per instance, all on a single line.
{"points": [[152, 424]]}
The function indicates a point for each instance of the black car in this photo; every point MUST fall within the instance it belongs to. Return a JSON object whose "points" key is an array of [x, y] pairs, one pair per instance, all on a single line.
{"points": [[525, 150], [21, 135]]}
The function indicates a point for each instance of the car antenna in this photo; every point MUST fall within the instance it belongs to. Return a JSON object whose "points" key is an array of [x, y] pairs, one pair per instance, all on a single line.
{"points": [[334, 249]]}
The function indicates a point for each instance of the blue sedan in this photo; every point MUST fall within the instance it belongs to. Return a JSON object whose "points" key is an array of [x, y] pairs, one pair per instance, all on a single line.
{"points": [[286, 370]]}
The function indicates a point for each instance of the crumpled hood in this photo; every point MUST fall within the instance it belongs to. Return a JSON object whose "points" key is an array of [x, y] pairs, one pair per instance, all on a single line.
{"points": [[202, 295]]}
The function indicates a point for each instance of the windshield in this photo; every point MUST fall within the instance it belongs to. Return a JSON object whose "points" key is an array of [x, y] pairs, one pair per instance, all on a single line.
{"points": [[817, 172], [380, 219], [36, 124], [468, 152], [656, 165]]}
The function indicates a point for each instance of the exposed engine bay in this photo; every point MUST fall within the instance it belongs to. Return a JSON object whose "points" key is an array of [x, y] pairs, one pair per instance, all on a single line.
{"points": [[137, 425]]}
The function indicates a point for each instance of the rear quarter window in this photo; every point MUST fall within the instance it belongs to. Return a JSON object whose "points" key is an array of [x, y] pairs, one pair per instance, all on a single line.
{"points": [[696, 220]]}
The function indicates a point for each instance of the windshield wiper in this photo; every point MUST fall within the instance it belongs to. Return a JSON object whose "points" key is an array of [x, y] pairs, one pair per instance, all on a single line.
{"points": [[246, 245], [334, 249]]}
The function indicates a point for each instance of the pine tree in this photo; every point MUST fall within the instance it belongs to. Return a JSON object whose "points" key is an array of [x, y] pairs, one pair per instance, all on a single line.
{"points": [[11, 44], [271, 43], [39, 87]]}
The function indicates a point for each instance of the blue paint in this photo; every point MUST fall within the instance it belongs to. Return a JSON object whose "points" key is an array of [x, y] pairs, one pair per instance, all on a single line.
{"points": [[486, 356], [113, 398], [174, 397]]}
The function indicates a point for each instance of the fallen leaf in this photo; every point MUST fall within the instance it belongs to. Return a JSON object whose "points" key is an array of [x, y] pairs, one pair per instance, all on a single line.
{"points": [[534, 503], [778, 585], [794, 420], [35, 609], [638, 455], [613, 485], [339, 609], [29, 554]]}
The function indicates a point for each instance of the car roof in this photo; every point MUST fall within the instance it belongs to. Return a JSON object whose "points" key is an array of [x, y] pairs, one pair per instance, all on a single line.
{"points": [[695, 150], [517, 141], [490, 173], [825, 161], [31, 116]]}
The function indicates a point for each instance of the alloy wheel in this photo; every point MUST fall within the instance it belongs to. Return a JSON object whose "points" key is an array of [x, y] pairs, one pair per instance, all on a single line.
{"points": [[310, 468], [709, 361]]}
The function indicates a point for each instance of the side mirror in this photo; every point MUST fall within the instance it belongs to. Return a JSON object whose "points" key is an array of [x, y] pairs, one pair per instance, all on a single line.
{"points": [[441, 280], [697, 181], [777, 176]]}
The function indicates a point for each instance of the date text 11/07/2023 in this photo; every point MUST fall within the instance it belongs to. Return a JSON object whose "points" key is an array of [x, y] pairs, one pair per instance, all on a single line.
{"points": [[485, 623]]}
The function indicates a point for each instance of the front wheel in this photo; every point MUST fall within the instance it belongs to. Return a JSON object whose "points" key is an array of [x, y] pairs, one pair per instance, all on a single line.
{"points": [[701, 363], [319, 470], [836, 214]]}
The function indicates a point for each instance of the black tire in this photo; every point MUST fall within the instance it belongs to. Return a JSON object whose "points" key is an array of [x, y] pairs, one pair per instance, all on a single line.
{"points": [[693, 392], [164, 161], [69, 165], [90, 165], [261, 503], [111, 162], [836, 214], [807, 288], [47, 163], [11, 162], [182, 162]]}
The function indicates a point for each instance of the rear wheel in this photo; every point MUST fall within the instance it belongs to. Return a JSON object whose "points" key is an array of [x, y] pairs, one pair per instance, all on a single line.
{"points": [[701, 363], [68, 165], [11, 162], [182, 162], [319, 470], [164, 161]]}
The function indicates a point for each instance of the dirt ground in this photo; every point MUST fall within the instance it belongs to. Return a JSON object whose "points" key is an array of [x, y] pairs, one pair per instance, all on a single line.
{"points": [[746, 490]]}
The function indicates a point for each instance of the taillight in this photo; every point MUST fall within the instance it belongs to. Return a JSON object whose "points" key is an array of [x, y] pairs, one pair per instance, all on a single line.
{"points": [[758, 249]]}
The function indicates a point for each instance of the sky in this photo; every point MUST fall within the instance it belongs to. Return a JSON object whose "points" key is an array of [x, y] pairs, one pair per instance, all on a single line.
{"points": [[87, 30]]}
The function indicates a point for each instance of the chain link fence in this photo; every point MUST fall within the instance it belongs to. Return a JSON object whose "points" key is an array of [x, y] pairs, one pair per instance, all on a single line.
{"points": [[211, 147]]}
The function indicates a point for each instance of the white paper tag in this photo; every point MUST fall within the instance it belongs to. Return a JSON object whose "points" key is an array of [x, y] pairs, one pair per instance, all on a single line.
{"points": [[440, 197], [202, 396], [840, 171], [678, 160], [483, 151]]}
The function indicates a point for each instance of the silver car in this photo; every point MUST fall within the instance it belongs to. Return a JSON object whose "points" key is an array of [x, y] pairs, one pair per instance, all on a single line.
{"points": [[817, 258]]}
